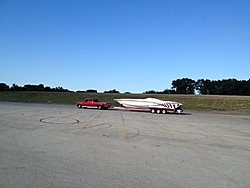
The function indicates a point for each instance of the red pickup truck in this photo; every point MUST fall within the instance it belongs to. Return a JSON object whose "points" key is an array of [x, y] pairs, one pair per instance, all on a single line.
{"points": [[93, 103]]}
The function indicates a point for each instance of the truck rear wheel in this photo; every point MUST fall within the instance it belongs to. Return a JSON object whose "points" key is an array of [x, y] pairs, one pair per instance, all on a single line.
{"points": [[99, 107], [164, 111]]}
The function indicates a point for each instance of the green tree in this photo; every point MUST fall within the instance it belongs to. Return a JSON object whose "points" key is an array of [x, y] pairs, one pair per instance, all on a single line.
{"points": [[112, 91], [29, 87], [150, 92], [4, 87], [15, 87], [203, 86], [184, 86], [91, 91]]}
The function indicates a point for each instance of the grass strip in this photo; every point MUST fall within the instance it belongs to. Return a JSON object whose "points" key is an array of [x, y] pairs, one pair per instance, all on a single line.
{"points": [[201, 103]]}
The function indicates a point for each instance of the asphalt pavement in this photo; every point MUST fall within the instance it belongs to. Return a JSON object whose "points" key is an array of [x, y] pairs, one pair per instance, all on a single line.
{"points": [[49, 145]]}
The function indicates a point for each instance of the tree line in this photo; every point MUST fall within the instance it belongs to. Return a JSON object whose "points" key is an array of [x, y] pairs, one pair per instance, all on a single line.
{"points": [[28, 87], [207, 87], [180, 86], [40, 87], [212, 87]]}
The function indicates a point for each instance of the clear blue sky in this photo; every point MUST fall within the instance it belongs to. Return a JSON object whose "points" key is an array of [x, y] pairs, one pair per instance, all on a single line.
{"points": [[127, 45]]}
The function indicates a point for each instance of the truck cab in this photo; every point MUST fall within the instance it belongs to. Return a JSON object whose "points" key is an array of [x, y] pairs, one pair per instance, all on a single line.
{"points": [[93, 103]]}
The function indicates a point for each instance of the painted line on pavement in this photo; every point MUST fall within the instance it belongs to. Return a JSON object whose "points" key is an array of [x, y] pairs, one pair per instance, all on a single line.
{"points": [[25, 117], [211, 134], [88, 123], [124, 128], [174, 137], [208, 133]]}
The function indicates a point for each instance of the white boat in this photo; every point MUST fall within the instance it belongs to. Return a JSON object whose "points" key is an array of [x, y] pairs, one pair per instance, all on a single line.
{"points": [[155, 105]]}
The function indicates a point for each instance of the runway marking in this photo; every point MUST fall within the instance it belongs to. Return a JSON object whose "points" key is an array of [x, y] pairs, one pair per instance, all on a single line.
{"points": [[227, 128], [13, 120], [211, 134], [6, 114], [174, 137], [124, 129], [88, 123]]}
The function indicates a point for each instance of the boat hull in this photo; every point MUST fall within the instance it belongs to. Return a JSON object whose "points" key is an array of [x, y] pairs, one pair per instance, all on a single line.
{"points": [[150, 103]]}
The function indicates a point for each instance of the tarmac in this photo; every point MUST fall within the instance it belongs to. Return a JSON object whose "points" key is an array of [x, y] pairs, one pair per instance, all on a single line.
{"points": [[49, 145]]}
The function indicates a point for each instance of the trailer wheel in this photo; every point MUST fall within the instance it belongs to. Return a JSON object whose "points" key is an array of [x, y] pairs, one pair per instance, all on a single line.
{"points": [[79, 106], [152, 110], [99, 107], [164, 111], [158, 111]]}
